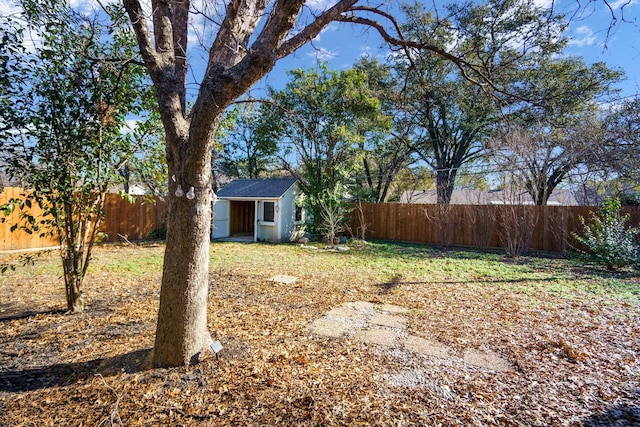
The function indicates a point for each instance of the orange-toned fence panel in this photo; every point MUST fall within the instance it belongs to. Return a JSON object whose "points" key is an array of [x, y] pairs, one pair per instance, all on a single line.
{"points": [[122, 220], [19, 239], [550, 227], [131, 221]]}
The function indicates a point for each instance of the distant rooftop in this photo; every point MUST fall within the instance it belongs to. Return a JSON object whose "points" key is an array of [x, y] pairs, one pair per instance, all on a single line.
{"points": [[493, 197], [269, 188]]}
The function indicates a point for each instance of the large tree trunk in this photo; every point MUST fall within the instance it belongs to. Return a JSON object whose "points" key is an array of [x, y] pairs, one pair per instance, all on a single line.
{"points": [[182, 334], [445, 181]]}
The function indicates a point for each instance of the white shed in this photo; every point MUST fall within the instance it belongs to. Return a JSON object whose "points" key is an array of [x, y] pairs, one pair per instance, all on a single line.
{"points": [[259, 210]]}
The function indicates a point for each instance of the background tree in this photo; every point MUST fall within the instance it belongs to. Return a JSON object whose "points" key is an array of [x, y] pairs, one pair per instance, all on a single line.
{"points": [[542, 161], [564, 130], [412, 181], [613, 170], [219, 174], [248, 151], [384, 151], [65, 143], [622, 138], [15, 64], [147, 166], [324, 119], [449, 117], [449, 125], [14, 67]]}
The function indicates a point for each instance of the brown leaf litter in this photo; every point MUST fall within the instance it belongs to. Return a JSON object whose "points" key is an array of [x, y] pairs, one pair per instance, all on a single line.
{"points": [[321, 351]]}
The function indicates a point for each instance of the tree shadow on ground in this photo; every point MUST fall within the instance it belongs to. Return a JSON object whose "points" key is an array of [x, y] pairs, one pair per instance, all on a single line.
{"points": [[599, 271], [60, 375], [388, 287], [396, 281], [622, 415], [19, 314]]}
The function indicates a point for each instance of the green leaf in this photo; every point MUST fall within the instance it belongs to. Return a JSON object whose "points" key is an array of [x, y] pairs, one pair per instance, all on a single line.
{"points": [[8, 208]]}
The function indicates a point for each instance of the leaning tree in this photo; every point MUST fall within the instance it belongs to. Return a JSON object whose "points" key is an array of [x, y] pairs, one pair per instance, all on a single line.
{"points": [[243, 41], [63, 104]]}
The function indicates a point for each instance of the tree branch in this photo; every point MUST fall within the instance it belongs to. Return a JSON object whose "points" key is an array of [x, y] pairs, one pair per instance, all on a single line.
{"points": [[462, 64], [281, 20], [141, 29], [180, 22], [240, 21], [312, 30]]}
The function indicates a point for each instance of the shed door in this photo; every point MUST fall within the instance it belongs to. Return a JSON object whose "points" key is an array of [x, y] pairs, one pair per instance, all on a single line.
{"points": [[242, 216]]}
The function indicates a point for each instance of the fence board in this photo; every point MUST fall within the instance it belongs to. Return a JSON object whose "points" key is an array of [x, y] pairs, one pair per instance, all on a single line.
{"points": [[477, 225], [19, 239], [133, 221]]}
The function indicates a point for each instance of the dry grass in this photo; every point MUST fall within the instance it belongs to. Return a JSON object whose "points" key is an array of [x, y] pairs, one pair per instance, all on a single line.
{"points": [[571, 334]]}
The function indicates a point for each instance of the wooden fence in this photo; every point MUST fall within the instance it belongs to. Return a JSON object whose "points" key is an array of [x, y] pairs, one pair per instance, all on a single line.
{"points": [[133, 221], [546, 228]]}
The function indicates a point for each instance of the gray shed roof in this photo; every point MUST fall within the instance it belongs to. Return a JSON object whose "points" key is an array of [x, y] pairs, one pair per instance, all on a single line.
{"points": [[270, 188]]}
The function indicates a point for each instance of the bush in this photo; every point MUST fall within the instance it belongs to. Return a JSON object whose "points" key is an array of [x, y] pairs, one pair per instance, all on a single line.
{"points": [[333, 212], [611, 243], [630, 199]]}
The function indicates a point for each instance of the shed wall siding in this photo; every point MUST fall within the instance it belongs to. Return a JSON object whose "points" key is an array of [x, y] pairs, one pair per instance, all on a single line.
{"points": [[268, 232], [290, 231], [220, 219]]}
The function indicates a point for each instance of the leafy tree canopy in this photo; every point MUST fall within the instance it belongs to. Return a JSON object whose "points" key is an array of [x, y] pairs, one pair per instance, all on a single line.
{"points": [[324, 118], [66, 109]]}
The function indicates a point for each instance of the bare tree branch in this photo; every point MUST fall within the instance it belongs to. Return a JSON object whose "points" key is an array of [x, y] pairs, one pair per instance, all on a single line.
{"points": [[141, 29], [309, 32], [459, 62]]}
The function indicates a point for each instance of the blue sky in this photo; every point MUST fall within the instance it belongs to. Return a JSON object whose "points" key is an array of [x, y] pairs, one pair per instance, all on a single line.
{"points": [[591, 34], [619, 48], [592, 38]]}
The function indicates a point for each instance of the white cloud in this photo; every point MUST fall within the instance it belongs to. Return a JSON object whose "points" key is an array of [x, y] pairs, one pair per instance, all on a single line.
{"points": [[329, 28], [8, 8], [547, 4], [366, 50], [319, 5], [380, 54], [86, 6], [622, 3], [11, 9], [130, 125], [322, 54], [583, 37], [31, 38]]}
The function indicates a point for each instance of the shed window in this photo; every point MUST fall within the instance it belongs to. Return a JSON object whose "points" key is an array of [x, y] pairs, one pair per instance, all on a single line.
{"points": [[298, 217], [268, 212]]}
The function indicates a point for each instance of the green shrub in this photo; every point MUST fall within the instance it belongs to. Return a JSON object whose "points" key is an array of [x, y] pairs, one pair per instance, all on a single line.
{"points": [[630, 199], [333, 214], [611, 243]]}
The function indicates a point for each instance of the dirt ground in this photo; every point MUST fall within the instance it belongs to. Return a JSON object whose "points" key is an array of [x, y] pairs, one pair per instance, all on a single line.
{"points": [[562, 361]]}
